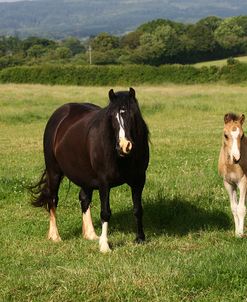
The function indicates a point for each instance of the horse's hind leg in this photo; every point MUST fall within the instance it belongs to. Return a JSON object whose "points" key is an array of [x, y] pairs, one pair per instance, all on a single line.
{"points": [[241, 208], [53, 182], [88, 231]]}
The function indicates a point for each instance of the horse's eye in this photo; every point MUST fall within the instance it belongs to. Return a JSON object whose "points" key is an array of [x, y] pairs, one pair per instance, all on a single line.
{"points": [[226, 136]]}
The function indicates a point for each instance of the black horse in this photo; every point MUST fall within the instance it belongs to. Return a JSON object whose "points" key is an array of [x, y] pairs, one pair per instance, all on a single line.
{"points": [[95, 148]]}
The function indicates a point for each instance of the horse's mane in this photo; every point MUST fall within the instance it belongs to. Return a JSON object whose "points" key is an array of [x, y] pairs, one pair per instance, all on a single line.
{"points": [[139, 127]]}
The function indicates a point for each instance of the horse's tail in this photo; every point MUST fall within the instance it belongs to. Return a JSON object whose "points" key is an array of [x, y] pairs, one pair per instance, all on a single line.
{"points": [[39, 192]]}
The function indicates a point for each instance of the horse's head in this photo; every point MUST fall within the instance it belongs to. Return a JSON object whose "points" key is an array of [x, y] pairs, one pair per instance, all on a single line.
{"points": [[123, 106], [233, 134]]}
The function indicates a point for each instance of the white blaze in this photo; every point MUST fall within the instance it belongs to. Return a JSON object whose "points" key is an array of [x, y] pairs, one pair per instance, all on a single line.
{"points": [[121, 125], [235, 152]]}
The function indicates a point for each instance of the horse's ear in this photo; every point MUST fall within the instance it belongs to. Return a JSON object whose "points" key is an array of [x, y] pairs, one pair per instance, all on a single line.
{"points": [[132, 92], [241, 119], [227, 118], [112, 95]]}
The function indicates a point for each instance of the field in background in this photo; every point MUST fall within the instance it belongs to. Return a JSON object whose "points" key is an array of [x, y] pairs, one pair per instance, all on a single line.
{"points": [[219, 63], [190, 253]]}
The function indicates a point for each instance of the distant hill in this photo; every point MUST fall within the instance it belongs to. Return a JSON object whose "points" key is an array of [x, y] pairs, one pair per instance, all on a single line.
{"points": [[57, 19]]}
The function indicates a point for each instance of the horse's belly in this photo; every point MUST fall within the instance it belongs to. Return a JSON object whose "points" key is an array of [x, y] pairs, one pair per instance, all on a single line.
{"points": [[75, 164]]}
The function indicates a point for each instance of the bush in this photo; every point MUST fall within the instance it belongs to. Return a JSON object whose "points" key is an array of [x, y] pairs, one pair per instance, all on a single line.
{"points": [[235, 73], [232, 61], [122, 74]]}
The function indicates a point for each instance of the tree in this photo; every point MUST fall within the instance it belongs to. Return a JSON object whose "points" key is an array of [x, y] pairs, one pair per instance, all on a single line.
{"points": [[104, 42], [36, 51], [10, 45], [31, 41], [151, 26], [160, 46], [63, 53], [211, 22], [131, 40], [229, 34], [202, 37], [74, 45]]}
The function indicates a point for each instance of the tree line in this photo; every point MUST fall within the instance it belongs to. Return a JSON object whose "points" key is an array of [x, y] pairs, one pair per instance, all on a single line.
{"points": [[154, 43]]}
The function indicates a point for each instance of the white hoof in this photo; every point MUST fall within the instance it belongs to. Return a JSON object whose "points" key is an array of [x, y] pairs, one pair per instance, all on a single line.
{"points": [[91, 236], [104, 247], [54, 237], [239, 235]]}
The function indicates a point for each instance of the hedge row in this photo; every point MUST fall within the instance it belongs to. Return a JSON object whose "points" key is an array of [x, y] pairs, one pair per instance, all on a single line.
{"points": [[122, 75]]}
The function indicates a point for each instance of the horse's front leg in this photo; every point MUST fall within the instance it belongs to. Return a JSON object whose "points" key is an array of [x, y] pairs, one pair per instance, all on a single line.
{"points": [[105, 215], [231, 190], [136, 190], [241, 208]]}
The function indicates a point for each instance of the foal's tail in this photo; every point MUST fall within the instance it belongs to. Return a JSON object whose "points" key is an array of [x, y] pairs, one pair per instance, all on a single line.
{"points": [[40, 192]]}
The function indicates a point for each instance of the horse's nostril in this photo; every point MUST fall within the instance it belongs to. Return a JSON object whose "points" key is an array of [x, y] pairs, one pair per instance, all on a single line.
{"points": [[129, 147], [236, 160]]}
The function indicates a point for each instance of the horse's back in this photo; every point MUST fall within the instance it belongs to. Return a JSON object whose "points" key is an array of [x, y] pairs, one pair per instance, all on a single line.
{"points": [[61, 120]]}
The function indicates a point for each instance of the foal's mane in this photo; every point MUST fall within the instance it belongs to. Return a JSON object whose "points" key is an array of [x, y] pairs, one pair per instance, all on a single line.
{"points": [[231, 117]]}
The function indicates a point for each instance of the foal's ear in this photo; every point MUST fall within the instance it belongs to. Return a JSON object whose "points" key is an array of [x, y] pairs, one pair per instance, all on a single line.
{"points": [[132, 92], [112, 95], [241, 119], [227, 118]]}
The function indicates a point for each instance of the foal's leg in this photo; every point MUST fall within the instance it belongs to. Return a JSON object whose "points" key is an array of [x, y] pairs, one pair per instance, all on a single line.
{"points": [[88, 232], [53, 182], [136, 191], [231, 190], [105, 215], [241, 209]]}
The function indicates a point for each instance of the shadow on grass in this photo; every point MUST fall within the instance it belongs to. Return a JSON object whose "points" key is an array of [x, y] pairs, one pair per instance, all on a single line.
{"points": [[172, 217]]}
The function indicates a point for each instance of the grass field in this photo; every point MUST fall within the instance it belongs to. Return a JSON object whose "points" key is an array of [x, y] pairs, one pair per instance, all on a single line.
{"points": [[220, 63], [190, 254]]}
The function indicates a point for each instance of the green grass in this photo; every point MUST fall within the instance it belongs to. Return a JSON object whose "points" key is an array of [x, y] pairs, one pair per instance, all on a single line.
{"points": [[219, 63], [190, 254]]}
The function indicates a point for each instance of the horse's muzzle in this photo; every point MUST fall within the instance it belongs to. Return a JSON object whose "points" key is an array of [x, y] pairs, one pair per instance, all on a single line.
{"points": [[124, 147], [236, 161]]}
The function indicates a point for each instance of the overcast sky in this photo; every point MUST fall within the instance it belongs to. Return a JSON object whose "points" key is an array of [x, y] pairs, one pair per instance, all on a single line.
{"points": [[10, 0]]}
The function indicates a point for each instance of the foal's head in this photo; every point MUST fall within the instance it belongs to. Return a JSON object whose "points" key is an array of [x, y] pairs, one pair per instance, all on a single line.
{"points": [[122, 108], [233, 134]]}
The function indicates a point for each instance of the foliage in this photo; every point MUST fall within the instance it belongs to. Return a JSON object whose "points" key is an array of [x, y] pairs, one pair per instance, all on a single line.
{"points": [[233, 72], [104, 42], [110, 75], [36, 51], [229, 34], [74, 45], [63, 52], [154, 43], [232, 61]]}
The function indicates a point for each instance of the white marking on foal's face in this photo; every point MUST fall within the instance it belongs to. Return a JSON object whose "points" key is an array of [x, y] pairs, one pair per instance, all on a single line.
{"points": [[121, 124], [235, 152]]}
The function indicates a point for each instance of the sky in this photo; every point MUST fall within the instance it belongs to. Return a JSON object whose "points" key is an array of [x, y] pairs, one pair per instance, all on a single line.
{"points": [[10, 0]]}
